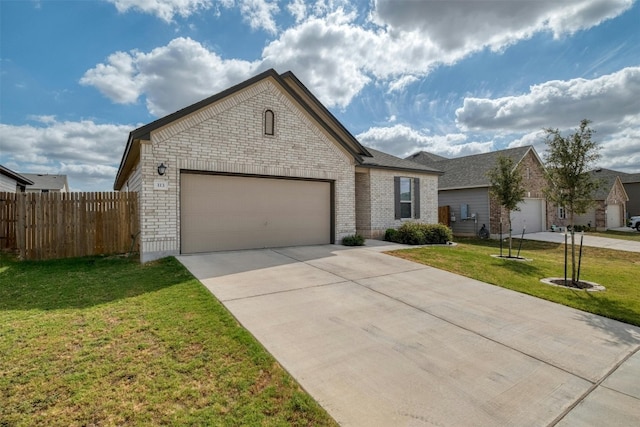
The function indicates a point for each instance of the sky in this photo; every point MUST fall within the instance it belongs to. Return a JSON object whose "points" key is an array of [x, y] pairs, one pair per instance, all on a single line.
{"points": [[452, 77]]}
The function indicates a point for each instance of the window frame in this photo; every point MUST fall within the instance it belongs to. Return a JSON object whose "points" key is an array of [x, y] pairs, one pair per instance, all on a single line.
{"points": [[269, 120]]}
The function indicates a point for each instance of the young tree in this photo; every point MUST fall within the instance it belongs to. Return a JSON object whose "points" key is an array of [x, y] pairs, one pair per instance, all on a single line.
{"points": [[506, 186], [568, 161]]}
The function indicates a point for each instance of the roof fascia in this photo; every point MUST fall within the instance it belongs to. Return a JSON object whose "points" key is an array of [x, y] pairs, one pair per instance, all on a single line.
{"points": [[401, 169], [15, 176]]}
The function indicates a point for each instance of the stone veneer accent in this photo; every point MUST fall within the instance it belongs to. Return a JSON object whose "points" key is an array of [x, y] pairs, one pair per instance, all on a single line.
{"points": [[375, 194], [228, 137]]}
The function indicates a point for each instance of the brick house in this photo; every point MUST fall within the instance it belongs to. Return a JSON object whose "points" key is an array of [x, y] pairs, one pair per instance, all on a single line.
{"points": [[610, 202], [264, 164], [464, 188]]}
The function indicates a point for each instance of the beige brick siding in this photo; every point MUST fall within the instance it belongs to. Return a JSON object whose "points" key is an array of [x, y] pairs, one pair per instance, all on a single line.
{"points": [[363, 204], [228, 137], [382, 205]]}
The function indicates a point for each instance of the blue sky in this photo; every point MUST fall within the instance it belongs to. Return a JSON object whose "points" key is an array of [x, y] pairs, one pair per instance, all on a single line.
{"points": [[450, 77]]}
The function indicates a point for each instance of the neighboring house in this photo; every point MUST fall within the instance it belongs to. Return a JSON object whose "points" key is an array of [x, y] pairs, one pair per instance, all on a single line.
{"points": [[45, 183], [264, 164], [610, 199], [464, 187], [631, 183], [12, 182]]}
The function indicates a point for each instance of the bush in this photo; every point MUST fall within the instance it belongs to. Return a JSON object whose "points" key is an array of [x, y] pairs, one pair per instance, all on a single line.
{"points": [[392, 235], [353, 240], [414, 233]]}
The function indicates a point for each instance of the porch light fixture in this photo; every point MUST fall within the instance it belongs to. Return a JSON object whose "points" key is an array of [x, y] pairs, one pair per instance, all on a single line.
{"points": [[162, 169]]}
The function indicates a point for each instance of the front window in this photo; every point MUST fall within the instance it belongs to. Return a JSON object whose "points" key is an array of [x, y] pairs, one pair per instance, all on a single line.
{"points": [[405, 198], [562, 213]]}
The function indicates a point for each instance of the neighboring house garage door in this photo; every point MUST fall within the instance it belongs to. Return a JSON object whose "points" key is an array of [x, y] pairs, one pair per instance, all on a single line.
{"points": [[532, 214], [221, 212], [614, 216]]}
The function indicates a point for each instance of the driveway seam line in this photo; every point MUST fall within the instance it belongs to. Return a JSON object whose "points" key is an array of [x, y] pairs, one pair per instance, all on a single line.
{"points": [[593, 387], [285, 291], [476, 333]]}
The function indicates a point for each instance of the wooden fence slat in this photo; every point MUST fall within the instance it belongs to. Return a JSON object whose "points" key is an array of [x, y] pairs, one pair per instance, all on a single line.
{"points": [[58, 225]]}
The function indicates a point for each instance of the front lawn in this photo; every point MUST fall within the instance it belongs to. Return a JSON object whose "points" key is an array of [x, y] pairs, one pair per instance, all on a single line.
{"points": [[618, 271], [107, 341]]}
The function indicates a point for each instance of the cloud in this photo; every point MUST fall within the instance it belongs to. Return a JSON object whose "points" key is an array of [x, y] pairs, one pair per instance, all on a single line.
{"points": [[469, 25], [171, 76], [607, 100], [163, 9], [297, 9], [87, 152], [259, 14], [401, 140]]}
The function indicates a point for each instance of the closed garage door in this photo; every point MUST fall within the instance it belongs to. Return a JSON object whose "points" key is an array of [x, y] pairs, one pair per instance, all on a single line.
{"points": [[614, 216], [532, 215], [219, 212]]}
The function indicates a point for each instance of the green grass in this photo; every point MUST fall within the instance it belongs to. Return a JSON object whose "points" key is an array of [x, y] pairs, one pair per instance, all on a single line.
{"points": [[612, 234], [618, 271], [107, 341]]}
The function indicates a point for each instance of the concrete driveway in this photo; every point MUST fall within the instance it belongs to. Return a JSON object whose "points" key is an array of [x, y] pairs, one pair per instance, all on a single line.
{"points": [[595, 241], [381, 341]]}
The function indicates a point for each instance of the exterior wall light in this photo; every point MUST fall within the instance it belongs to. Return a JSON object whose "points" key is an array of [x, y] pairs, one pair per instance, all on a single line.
{"points": [[162, 169]]}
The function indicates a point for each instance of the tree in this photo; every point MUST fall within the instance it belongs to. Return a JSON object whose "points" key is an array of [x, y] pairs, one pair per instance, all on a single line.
{"points": [[506, 186], [570, 185]]}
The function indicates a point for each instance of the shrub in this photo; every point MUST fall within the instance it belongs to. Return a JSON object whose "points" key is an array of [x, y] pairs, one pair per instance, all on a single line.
{"points": [[353, 240], [392, 235], [413, 233]]}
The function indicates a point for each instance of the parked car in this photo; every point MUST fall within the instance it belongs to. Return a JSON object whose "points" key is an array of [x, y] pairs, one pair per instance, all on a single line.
{"points": [[634, 222]]}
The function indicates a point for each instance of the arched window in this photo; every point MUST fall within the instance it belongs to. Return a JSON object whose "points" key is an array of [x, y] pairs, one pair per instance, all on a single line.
{"points": [[269, 122]]}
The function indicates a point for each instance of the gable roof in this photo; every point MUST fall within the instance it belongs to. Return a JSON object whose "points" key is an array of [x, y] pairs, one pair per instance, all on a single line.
{"points": [[625, 178], [608, 179], [382, 160], [287, 82], [15, 176], [46, 181], [469, 171]]}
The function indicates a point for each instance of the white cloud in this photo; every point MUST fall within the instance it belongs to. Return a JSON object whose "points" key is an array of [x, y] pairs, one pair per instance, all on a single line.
{"points": [[171, 76], [401, 83], [260, 14], [87, 152], [297, 9], [163, 9], [607, 100], [469, 25], [402, 141]]}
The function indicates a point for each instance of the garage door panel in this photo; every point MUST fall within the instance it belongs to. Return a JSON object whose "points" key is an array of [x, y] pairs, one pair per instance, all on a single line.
{"points": [[232, 212], [531, 217]]}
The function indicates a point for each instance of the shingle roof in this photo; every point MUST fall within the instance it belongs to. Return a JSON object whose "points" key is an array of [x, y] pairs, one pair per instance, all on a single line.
{"points": [[46, 182], [607, 178], [20, 179], [469, 171], [388, 161]]}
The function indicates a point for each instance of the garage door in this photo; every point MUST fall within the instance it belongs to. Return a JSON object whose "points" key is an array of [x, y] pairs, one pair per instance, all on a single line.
{"points": [[532, 215], [614, 216], [220, 212]]}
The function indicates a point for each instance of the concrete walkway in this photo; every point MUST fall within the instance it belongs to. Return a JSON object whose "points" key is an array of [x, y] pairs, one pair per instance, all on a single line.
{"points": [[595, 241], [381, 341]]}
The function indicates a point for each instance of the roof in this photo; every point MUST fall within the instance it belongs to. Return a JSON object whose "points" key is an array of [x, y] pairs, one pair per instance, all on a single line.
{"points": [[468, 171], [287, 82], [607, 178], [20, 179], [625, 178], [47, 182], [382, 160]]}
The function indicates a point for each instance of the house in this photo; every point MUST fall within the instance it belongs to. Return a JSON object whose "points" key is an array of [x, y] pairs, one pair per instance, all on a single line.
{"points": [[610, 200], [464, 188], [12, 182], [631, 184], [45, 183], [264, 164]]}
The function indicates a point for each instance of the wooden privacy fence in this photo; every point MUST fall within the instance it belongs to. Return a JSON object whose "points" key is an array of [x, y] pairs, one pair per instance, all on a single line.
{"points": [[444, 215], [62, 225]]}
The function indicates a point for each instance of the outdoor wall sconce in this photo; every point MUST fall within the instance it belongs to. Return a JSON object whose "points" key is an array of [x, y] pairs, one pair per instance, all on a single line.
{"points": [[162, 169]]}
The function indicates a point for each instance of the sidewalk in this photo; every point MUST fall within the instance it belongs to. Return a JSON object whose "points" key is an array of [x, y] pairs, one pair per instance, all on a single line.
{"points": [[594, 241]]}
